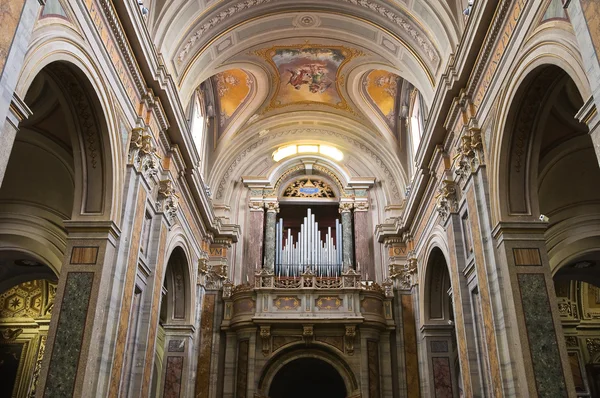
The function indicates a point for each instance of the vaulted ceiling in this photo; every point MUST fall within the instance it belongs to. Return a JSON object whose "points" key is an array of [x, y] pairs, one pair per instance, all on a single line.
{"points": [[337, 72]]}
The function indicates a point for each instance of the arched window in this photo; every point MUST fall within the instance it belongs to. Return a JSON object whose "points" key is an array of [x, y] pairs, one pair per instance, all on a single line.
{"points": [[416, 122], [198, 124]]}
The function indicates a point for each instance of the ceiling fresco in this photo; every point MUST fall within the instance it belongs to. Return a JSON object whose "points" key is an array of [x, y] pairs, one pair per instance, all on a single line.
{"points": [[381, 89], [308, 74], [234, 88]]}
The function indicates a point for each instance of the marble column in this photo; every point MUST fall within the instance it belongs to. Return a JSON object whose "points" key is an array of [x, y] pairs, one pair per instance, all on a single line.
{"points": [[253, 250], [536, 344], [362, 239], [272, 210], [347, 238]]}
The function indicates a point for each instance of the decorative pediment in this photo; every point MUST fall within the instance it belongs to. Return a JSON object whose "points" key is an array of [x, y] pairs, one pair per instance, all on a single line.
{"points": [[309, 188]]}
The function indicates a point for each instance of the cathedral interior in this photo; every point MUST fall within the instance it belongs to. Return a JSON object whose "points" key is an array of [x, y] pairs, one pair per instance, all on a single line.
{"points": [[291, 199]]}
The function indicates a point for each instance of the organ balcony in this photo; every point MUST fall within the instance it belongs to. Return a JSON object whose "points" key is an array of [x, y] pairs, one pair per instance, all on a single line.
{"points": [[308, 299]]}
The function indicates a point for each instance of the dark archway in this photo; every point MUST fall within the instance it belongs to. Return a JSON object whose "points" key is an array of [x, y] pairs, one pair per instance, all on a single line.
{"points": [[307, 377]]}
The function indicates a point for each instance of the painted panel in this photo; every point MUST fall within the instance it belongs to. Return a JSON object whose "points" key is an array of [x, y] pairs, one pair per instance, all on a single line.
{"points": [[543, 346], [69, 335], [381, 88], [11, 355]]}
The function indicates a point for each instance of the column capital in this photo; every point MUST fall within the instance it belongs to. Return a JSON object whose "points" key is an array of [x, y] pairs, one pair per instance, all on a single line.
{"points": [[256, 205], [361, 205], [346, 207], [272, 206]]}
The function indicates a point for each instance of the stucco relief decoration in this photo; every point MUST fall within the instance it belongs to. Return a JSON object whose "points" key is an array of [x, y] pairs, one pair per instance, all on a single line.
{"points": [[168, 200], [381, 89], [265, 335], [213, 277], [215, 20], [307, 188], [234, 88], [308, 74], [469, 153], [349, 339], [286, 303], [142, 153], [447, 201]]}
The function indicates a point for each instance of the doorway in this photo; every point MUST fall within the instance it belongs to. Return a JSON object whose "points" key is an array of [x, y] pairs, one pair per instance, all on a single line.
{"points": [[307, 377]]}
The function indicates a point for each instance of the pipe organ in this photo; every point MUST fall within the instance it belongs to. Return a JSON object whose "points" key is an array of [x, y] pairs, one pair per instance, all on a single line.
{"points": [[308, 250]]}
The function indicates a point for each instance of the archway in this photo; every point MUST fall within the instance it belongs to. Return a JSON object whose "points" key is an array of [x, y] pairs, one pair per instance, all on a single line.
{"points": [[172, 347], [550, 172], [439, 332], [56, 174], [291, 361], [307, 377]]}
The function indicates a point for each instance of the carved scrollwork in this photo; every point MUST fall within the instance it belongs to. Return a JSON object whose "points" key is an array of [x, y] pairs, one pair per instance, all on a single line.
{"points": [[168, 200], [469, 153], [272, 207], [346, 207], [308, 334], [213, 277], [349, 339], [405, 275], [142, 153], [307, 188], [265, 335], [10, 334], [447, 199]]}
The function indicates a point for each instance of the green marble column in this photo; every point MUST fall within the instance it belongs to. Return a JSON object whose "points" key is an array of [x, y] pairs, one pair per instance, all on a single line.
{"points": [[272, 210], [347, 238]]}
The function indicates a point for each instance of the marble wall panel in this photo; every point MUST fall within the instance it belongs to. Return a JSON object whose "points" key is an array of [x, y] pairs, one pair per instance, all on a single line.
{"points": [[127, 298], [547, 366], [154, 312], [10, 15], [410, 347], [442, 377], [173, 377], [241, 379], [70, 329], [484, 294], [206, 339], [373, 369], [591, 11]]}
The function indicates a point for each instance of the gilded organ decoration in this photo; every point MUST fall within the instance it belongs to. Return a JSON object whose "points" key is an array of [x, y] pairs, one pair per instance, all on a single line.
{"points": [[307, 188]]}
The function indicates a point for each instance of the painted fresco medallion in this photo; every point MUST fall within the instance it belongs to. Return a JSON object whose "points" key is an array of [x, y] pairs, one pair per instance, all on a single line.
{"points": [[234, 88], [308, 74], [381, 89]]}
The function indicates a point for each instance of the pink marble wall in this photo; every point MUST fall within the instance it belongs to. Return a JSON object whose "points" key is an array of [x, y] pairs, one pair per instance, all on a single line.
{"points": [[173, 377], [442, 377]]}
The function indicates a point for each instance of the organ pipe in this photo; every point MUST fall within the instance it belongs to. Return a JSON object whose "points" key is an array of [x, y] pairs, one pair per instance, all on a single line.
{"points": [[323, 256]]}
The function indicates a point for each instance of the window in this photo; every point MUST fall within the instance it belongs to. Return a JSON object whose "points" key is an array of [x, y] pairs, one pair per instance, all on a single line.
{"points": [[198, 122], [416, 122]]}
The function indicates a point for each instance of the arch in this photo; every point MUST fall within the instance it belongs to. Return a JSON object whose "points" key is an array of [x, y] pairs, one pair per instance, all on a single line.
{"points": [[533, 61], [176, 306], [83, 79], [437, 303], [298, 351]]}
